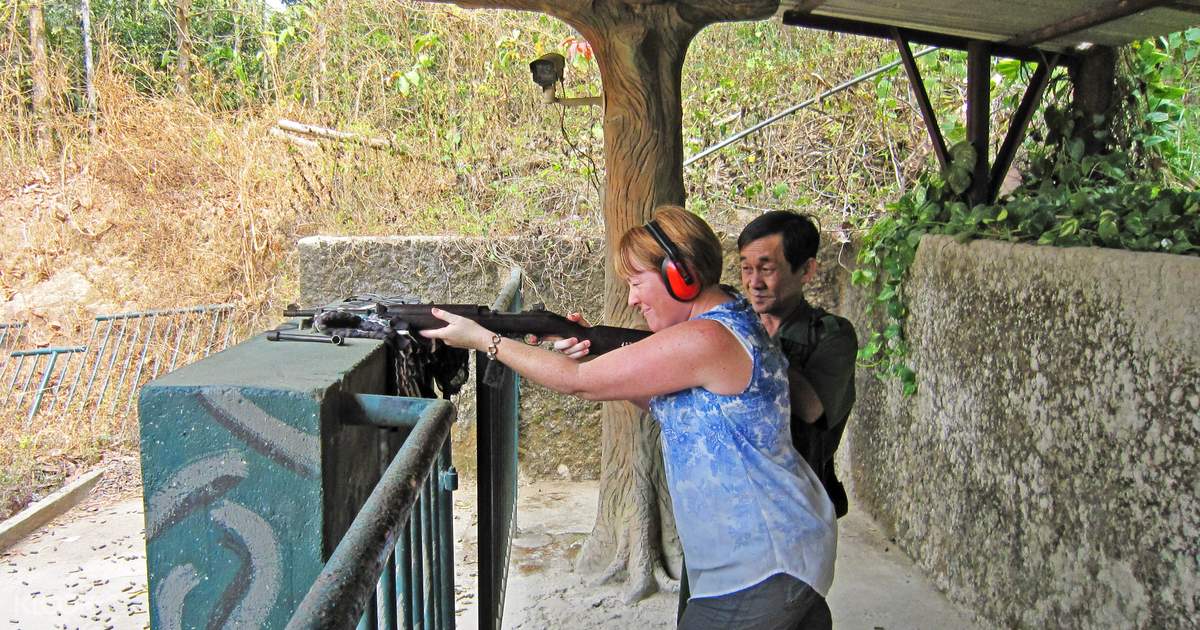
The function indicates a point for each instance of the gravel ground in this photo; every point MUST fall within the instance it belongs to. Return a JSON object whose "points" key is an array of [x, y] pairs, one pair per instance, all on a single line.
{"points": [[87, 569]]}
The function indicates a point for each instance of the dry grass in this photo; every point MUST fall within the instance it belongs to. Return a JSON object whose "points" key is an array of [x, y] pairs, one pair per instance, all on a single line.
{"points": [[177, 202]]}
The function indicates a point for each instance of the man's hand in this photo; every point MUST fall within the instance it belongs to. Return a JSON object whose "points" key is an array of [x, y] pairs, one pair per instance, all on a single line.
{"points": [[570, 346]]}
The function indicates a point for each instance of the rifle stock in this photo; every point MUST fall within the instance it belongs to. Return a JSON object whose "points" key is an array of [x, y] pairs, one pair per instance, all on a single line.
{"points": [[538, 322]]}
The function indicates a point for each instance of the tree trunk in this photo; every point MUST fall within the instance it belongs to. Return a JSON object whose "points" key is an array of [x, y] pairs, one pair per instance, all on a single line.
{"points": [[640, 47], [89, 79], [183, 44], [641, 60], [39, 70]]}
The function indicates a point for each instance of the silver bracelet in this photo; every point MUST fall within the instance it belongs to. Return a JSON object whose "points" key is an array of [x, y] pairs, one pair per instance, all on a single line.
{"points": [[494, 348]]}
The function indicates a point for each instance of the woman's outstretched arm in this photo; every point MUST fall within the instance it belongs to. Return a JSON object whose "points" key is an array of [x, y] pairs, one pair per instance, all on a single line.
{"points": [[695, 353]]}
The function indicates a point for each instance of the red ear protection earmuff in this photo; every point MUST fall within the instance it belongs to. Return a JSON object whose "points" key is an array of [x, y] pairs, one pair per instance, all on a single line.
{"points": [[681, 283]]}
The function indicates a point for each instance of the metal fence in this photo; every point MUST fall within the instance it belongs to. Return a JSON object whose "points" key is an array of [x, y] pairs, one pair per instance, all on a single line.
{"points": [[497, 420], [123, 352], [395, 566]]}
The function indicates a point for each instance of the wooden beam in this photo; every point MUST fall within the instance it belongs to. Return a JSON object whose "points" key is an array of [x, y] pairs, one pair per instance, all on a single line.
{"points": [[1182, 6], [979, 101], [916, 36], [1083, 21], [807, 6], [918, 88], [1018, 126]]}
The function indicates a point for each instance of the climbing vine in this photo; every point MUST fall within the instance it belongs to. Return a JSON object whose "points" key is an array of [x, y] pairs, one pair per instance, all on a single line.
{"points": [[1068, 198]]}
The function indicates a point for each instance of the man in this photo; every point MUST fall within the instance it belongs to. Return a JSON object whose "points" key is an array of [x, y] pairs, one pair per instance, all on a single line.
{"points": [[778, 253]]}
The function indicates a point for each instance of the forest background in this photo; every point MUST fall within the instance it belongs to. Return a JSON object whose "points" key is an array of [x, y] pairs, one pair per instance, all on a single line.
{"points": [[151, 177]]}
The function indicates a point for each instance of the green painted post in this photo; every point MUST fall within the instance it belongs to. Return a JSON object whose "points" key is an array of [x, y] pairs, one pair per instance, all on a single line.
{"points": [[251, 477]]}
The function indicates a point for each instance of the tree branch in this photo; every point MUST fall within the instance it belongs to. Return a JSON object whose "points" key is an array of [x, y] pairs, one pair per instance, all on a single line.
{"points": [[550, 7], [702, 12]]}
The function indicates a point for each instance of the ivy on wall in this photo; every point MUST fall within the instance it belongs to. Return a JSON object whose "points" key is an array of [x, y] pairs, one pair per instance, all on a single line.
{"points": [[1067, 198]]}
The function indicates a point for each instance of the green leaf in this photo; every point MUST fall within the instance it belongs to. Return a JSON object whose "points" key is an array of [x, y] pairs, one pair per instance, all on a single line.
{"points": [[872, 348], [914, 237], [963, 155], [959, 178], [863, 276], [1075, 149], [1107, 230]]}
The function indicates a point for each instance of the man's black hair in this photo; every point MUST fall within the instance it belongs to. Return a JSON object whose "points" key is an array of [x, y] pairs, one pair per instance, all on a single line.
{"points": [[800, 235]]}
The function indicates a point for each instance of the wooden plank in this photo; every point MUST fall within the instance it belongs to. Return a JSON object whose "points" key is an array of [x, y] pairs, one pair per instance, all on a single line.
{"points": [[35, 516], [869, 29], [1100, 15], [995, 21], [807, 6]]}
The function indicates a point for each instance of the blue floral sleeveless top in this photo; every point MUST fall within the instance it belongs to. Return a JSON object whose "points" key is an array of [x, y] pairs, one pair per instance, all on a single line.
{"points": [[746, 505]]}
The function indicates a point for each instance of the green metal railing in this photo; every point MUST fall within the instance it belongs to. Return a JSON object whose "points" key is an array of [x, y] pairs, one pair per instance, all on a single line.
{"points": [[105, 375], [399, 549], [496, 424], [394, 568]]}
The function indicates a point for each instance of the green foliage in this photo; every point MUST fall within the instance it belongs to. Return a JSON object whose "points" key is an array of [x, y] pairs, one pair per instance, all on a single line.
{"points": [[1068, 198], [1163, 69]]}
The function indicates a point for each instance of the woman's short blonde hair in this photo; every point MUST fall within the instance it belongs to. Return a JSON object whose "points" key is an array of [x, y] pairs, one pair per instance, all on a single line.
{"points": [[695, 240]]}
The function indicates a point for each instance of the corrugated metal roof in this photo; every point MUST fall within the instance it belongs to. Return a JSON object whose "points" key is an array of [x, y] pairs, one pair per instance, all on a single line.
{"points": [[1053, 25]]}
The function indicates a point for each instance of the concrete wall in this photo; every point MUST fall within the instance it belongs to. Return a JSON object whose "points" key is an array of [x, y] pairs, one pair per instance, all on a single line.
{"points": [[565, 275], [559, 435], [1046, 472]]}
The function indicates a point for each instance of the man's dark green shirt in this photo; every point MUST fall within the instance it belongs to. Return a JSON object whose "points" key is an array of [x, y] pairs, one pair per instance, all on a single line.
{"points": [[823, 348]]}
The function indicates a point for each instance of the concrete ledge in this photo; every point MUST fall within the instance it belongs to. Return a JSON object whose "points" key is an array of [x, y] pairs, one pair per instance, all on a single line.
{"points": [[44, 511]]}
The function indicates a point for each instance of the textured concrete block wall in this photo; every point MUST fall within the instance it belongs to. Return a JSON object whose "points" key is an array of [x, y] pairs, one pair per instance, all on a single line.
{"points": [[558, 433], [564, 274], [1046, 472]]}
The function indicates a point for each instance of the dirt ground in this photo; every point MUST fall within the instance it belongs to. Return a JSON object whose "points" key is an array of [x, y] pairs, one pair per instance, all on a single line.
{"points": [[87, 569], [876, 586]]}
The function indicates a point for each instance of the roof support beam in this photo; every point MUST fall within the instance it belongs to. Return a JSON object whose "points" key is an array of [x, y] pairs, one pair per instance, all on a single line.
{"points": [[918, 88], [807, 6], [1182, 6], [1018, 126], [1095, 85], [979, 101], [1104, 13], [927, 38]]}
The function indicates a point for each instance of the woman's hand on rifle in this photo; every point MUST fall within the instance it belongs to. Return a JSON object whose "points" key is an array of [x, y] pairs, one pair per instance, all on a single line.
{"points": [[459, 332], [571, 346]]}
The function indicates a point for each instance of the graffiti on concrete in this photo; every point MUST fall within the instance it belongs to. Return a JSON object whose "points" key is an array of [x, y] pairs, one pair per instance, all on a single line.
{"points": [[249, 598], [193, 487], [229, 483], [168, 597], [276, 440]]}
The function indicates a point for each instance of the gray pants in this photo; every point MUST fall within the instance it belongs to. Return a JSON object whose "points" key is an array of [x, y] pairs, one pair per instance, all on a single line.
{"points": [[780, 602]]}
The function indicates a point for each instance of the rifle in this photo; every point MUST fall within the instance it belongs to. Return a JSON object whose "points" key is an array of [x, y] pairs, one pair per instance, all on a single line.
{"points": [[537, 321]]}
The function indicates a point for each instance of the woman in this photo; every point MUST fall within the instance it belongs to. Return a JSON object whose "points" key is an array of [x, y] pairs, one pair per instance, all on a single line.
{"points": [[757, 529]]}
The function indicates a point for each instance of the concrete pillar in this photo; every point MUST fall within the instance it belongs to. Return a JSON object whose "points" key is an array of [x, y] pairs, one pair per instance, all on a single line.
{"points": [[251, 477]]}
